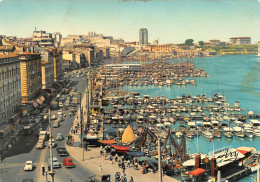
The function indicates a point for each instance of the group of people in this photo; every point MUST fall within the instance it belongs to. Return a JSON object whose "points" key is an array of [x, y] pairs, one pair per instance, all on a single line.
{"points": [[70, 140], [122, 178]]}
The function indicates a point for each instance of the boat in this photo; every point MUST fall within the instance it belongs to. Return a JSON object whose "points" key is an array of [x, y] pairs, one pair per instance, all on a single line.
{"points": [[228, 134], [216, 134], [207, 134], [178, 134]]}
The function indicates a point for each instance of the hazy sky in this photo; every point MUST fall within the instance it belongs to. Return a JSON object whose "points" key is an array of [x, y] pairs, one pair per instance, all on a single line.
{"points": [[172, 21]]}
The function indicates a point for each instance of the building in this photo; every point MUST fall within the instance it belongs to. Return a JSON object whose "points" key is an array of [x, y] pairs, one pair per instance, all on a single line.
{"points": [[57, 39], [214, 42], [42, 38], [31, 76], [143, 36], [74, 57], [57, 64], [10, 90], [10, 97], [240, 40], [47, 68], [162, 48]]}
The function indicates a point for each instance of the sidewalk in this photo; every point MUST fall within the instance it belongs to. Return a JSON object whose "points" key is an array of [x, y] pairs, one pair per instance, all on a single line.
{"points": [[93, 160]]}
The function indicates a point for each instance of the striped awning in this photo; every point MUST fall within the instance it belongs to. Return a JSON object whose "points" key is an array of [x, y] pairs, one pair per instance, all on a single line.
{"points": [[16, 118], [39, 101], [35, 104], [42, 98]]}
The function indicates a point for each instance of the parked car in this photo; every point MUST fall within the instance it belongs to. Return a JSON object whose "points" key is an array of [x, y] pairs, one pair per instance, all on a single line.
{"points": [[40, 144], [53, 117], [62, 151], [28, 166], [59, 136], [68, 163], [56, 124], [55, 162], [60, 112]]}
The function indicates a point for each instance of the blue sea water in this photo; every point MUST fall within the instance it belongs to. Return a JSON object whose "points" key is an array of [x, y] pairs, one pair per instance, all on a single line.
{"points": [[237, 77]]}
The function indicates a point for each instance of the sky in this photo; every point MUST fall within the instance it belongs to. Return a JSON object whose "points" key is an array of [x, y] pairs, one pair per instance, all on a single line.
{"points": [[170, 21]]}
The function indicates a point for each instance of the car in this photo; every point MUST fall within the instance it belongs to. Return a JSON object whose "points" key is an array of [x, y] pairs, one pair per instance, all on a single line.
{"points": [[60, 112], [28, 166], [56, 124], [53, 144], [40, 144], [68, 163], [62, 151], [59, 136], [53, 117], [55, 163]]}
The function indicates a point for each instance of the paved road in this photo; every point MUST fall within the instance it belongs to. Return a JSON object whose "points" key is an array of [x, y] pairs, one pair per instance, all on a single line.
{"points": [[12, 167]]}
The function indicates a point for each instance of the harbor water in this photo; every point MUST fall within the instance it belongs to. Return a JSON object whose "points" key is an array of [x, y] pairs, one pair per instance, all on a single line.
{"points": [[237, 77]]}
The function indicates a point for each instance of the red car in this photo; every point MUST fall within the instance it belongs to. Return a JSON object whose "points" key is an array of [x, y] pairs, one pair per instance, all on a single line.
{"points": [[68, 162]]}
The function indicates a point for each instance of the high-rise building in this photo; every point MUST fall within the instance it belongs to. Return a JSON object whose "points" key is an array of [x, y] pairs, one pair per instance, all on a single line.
{"points": [[143, 36]]}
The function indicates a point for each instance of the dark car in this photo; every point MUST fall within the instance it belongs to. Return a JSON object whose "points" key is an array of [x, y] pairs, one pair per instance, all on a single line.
{"points": [[62, 151]]}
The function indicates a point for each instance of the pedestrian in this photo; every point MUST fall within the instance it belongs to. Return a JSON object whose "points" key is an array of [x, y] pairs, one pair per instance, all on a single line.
{"points": [[76, 131], [100, 168], [111, 160], [131, 179], [119, 163], [128, 163], [122, 178], [136, 166], [116, 158], [123, 167]]}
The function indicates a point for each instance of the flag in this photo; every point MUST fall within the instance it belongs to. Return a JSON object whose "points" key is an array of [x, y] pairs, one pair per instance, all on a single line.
{"points": [[210, 139]]}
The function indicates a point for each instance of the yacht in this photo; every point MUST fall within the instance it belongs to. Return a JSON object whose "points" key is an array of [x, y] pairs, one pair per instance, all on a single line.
{"points": [[207, 134]]}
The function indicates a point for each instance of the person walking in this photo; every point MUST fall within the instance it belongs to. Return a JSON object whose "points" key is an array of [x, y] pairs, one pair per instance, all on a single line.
{"points": [[131, 179], [128, 163], [100, 168], [123, 167]]}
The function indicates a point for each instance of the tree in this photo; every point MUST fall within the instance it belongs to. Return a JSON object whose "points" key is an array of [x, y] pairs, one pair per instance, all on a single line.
{"points": [[201, 43], [189, 42]]}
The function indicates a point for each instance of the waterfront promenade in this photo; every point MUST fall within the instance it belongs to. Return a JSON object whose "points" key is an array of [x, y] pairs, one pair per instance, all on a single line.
{"points": [[93, 160]]}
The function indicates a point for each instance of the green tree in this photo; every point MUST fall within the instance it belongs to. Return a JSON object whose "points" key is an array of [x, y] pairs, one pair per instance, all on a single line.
{"points": [[201, 43], [189, 42]]}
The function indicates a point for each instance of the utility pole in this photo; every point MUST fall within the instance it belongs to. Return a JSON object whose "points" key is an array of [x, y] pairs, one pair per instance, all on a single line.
{"points": [[159, 160], [51, 157]]}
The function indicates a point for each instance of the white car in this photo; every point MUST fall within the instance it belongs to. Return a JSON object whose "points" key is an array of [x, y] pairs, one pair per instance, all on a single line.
{"points": [[59, 112], [55, 163], [28, 166]]}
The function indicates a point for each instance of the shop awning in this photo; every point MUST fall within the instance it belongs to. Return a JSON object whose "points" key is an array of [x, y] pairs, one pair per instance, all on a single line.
{"points": [[16, 118], [42, 98], [137, 154], [148, 159], [107, 141], [35, 104], [120, 148], [39, 101], [242, 151], [197, 172]]}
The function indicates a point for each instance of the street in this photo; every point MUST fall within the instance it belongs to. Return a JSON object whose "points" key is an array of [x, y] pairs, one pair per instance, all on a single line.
{"points": [[12, 167]]}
